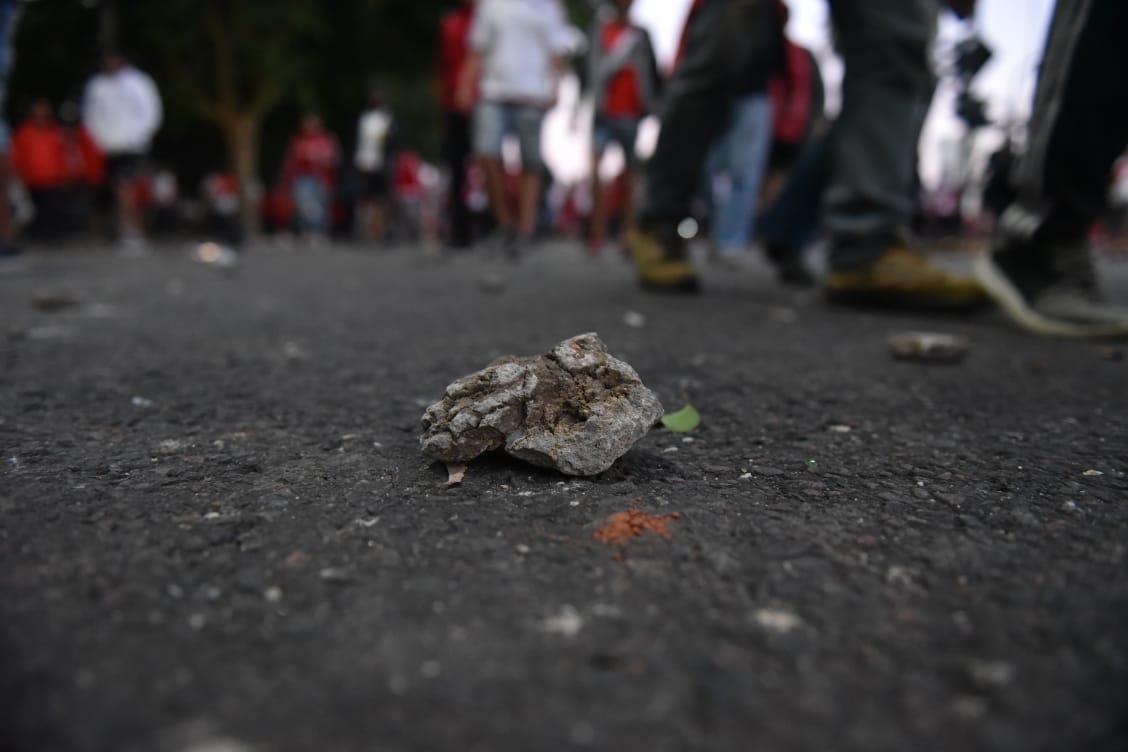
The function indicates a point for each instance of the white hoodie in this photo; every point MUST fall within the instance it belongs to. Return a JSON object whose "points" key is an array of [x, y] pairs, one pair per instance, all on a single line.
{"points": [[122, 111]]}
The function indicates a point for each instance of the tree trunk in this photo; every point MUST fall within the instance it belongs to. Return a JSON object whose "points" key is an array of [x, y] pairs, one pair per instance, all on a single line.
{"points": [[242, 135]]}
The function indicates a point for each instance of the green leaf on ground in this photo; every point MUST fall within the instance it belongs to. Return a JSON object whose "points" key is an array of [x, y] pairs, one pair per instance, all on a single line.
{"points": [[683, 420]]}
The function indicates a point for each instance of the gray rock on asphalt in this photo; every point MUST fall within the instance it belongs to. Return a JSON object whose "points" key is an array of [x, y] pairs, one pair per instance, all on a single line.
{"points": [[576, 409]]}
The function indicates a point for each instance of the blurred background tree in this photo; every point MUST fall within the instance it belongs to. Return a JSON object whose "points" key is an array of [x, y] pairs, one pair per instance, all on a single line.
{"points": [[235, 75]]}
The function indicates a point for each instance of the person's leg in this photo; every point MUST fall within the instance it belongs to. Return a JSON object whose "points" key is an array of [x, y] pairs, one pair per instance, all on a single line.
{"points": [[696, 107], [714, 186], [457, 151], [600, 139], [792, 219], [629, 141], [1040, 270], [311, 202], [489, 135], [884, 92], [376, 199], [747, 150], [529, 121], [697, 103], [130, 223], [869, 200]]}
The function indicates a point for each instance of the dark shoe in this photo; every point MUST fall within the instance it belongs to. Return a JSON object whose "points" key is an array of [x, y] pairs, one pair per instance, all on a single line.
{"points": [[518, 247], [659, 256], [904, 278], [791, 271], [1050, 292]]}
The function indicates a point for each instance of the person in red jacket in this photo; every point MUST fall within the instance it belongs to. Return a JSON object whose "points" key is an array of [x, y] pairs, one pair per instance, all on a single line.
{"points": [[454, 34], [623, 79], [310, 172], [39, 159]]}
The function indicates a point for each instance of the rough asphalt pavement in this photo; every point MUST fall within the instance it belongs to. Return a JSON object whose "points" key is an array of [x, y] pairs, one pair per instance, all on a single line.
{"points": [[217, 531]]}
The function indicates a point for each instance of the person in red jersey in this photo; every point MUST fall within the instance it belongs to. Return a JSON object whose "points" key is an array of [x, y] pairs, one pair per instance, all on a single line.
{"points": [[623, 80]]}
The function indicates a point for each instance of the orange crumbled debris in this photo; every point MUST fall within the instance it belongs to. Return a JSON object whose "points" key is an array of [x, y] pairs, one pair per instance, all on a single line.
{"points": [[623, 526]]}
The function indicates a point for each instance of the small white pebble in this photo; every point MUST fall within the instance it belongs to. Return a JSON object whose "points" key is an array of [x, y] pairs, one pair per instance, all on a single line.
{"points": [[775, 620], [522, 549], [567, 622], [272, 594], [634, 319]]}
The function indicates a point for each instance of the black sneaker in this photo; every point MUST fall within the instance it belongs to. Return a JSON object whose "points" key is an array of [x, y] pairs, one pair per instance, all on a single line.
{"points": [[1052, 292], [789, 266]]}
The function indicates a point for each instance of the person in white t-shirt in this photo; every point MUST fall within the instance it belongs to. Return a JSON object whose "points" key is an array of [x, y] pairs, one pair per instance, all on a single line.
{"points": [[517, 50], [375, 140], [121, 109]]}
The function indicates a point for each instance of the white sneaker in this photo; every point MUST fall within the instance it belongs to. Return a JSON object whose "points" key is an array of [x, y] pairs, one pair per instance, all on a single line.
{"points": [[1055, 295]]}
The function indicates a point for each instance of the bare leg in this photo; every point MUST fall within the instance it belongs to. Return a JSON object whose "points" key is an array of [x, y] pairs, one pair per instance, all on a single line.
{"points": [[598, 234], [378, 220], [495, 186], [374, 220], [129, 213], [530, 194], [630, 180]]}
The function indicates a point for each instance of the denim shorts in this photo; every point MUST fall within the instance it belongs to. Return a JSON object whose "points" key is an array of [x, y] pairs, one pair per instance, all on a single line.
{"points": [[616, 130], [493, 121]]}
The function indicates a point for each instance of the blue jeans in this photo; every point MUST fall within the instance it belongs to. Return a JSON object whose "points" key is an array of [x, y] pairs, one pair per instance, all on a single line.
{"points": [[793, 219], [311, 205], [742, 155]]}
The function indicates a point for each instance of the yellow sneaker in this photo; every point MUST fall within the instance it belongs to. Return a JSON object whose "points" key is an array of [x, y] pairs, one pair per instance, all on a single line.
{"points": [[660, 261], [904, 278]]}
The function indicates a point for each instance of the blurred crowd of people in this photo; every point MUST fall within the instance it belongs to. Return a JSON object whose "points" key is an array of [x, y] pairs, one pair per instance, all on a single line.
{"points": [[745, 157], [501, 65], [87, 170]]}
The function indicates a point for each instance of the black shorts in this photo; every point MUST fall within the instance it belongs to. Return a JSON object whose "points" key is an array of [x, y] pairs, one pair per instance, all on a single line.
{"points": [[374, 184], [124, 167]]}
